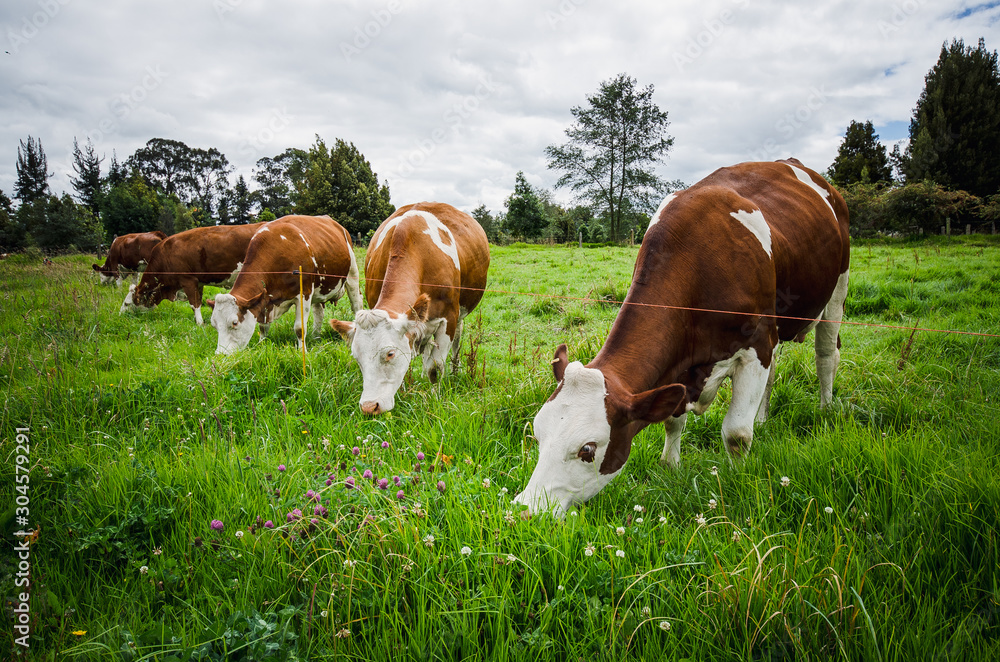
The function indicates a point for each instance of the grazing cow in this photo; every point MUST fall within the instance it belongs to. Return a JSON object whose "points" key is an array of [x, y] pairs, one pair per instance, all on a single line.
{"points": [[128, 255], [267, 285], [182, 264], [750, 256], [424, 272]]}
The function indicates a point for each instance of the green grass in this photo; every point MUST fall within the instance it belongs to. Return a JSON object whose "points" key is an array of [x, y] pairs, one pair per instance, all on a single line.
{"points": [[141, 436]]}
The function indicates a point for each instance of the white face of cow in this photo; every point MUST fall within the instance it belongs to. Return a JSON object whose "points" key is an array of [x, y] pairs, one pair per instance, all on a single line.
{"points": [[573, 436], [234, 334], [383, 347], [129, 303]]}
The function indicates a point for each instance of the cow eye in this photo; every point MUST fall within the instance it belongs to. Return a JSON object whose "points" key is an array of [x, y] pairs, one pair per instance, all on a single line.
{"points": [[587, 452], [390, 355], [235, 324]]}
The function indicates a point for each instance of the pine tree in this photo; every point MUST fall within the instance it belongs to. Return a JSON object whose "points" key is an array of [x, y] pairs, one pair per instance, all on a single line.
{"points": [[955, 130], [861, 157], [32, 172], [242, 202], [87, 182]]}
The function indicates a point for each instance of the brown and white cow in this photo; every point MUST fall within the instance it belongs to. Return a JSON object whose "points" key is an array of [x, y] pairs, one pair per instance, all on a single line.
{"points": [[182, 264], [425, 270], [128, 255], [766, 242], [268, 284]]}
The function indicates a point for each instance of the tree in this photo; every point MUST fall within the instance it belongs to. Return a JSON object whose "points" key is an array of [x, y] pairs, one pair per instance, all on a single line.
{"points": [[340, 182], [11, 232], [955, 130], [242, 202], [165, 164], [612, 147], [525, 213], [276, 179], [486, 222], [62, 223], [87, 182], [32, 171], [861, 158], [131, 206]]}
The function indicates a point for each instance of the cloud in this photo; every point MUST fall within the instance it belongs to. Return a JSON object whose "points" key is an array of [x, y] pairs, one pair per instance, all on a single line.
{"points": [[448, 100]]}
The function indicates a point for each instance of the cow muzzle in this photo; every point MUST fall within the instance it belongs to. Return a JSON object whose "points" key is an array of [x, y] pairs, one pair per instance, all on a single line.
{"points": [[371, 408]]}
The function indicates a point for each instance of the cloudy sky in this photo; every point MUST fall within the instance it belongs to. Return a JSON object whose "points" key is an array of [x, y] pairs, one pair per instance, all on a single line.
{"points": [[448, 99]]}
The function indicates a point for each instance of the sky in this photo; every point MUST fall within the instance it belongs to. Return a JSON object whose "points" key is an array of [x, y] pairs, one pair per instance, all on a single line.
{"points": [[448, 100]]}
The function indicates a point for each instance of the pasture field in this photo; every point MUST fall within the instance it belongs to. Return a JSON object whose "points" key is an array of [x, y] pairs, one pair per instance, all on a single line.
{"points": [[865, 532]]}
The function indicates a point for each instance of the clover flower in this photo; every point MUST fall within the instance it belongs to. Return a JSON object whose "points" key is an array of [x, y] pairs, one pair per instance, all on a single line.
{"points": [[828, 510], [714, 470], [486, 483], [428, 540], [785, 481], [268, 524], [700, 519], [589, 550], [664, 625], [143, 570], [349, 482], [465, 551], [355, 451], [400, 495], [239, 534], [385, 444], [620, 530], [440, 486], [368, 475], [420, 456], [712, 503], [217, 525], [620, 553], [281, 467], [383, 483], [637, 508]]}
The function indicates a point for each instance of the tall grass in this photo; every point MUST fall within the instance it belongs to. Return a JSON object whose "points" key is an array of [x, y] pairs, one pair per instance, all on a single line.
{"points": [[881, 544]]}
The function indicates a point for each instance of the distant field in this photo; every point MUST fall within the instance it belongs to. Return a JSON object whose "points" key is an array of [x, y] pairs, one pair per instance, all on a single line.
{"points": [[884, 545]]}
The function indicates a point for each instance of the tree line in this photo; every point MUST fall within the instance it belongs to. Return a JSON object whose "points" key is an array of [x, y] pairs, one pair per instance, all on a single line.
{"points": [[949, 172], [167, 185]]}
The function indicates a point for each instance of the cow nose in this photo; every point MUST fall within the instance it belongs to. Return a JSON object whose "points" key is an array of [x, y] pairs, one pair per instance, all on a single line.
{"points": [[370, 408]]}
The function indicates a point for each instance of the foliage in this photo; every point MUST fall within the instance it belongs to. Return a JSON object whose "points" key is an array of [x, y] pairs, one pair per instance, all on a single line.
{"points": [[925, 206], [486, 221], [955, 130], [613, 145], [132, 206], [340, 183], [65, 223], [87, 182], [193, 174], [525, 215], [861, 158], [32, 171], [276, 177], [242, 202]]}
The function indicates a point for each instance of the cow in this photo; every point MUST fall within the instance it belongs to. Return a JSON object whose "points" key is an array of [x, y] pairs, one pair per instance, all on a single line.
{"points": [[752, 255], [127, 256], [425, 270], [182, 264], [268, 283]]}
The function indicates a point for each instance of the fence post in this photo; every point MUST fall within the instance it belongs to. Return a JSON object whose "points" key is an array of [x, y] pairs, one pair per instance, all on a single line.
{"points": [[947, 225], [302, 322], [968, 228], [581, 238]]}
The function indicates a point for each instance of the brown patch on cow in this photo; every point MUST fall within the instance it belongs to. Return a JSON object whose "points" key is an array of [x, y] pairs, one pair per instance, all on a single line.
{"points": [[445, 238]]}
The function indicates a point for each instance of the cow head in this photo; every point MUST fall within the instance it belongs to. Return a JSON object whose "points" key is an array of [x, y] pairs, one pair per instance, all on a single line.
{"points": [[107, 276], [235, 320], [585, 433], [383, 345]]}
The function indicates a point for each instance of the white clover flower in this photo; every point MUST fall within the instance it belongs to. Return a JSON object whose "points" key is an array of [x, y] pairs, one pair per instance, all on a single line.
{"points": [[714, 470], [736, 535], [620, 530], [638, 520], [511, 558], [143, 570], [239, 534], [348, 563], [465, 551], [785, 481], [700, 519], [323, 614], [663, 519], [560, 587], [828, 510], [428, 540], [646, 612], [503, 490], [712, 503], [620, 553], [664, 625], [573, 513], [588, 550], [486, 483], [637, 508]]}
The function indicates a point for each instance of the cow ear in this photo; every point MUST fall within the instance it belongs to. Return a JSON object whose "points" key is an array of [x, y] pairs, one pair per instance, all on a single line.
{"points": [[658, 404], [420, 309], [210, 303], [559, 363], [345, 329], [255, 303]]}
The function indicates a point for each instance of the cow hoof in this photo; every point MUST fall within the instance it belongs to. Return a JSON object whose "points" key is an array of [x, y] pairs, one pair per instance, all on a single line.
{"points": [[737, 447], [433, 375]]}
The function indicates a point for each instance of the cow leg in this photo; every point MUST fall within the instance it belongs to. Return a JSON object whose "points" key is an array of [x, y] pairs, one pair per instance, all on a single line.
{"points": [[317, 318], [193, 292], [456, 345], [262, 329], [673, 426], [765, 401], [828, 339], [436, 352], [749, 383], [352, 285]]}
